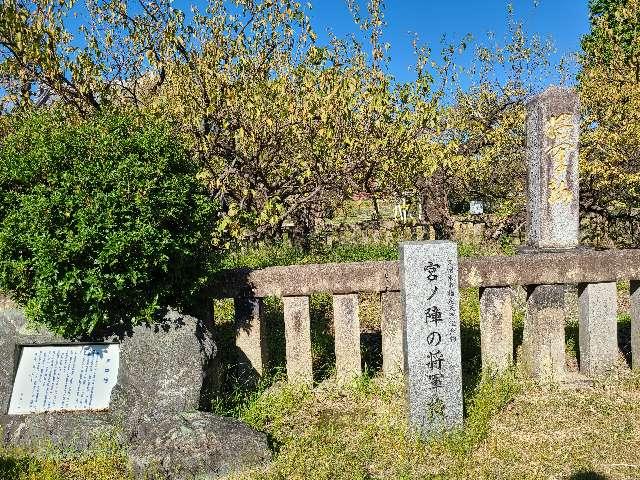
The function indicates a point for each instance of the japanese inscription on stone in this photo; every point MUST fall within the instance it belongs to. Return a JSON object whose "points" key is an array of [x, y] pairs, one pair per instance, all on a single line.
{"points": [[64, 377], [552, 128], [429, 276], [560, 131]]}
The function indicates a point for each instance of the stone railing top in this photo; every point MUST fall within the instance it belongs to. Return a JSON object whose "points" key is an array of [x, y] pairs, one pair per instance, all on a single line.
{"points": [[340, 278]]}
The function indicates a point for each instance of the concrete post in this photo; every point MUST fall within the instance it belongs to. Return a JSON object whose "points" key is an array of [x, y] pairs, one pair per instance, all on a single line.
{"points": [[598, 327], [250, 338], [297, 328], [635, 323], [496, 328], [346, 324], [543, 343], [391, 326]]}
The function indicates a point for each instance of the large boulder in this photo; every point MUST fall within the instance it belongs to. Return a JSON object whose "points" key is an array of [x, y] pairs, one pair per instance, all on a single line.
{"points": [[68, 431], [170, 366], [11, 321], [168, 372], [184, 446]]}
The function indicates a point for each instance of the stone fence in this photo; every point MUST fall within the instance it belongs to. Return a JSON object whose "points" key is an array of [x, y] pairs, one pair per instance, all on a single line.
{"points": [[551, 258], [595, 272]]}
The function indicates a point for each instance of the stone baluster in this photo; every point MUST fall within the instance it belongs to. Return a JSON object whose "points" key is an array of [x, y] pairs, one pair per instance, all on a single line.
{"points": [[392, 341], [297, 328], [543, 343], [496, 328], [250, 336], [598, 338], [346, 324]]}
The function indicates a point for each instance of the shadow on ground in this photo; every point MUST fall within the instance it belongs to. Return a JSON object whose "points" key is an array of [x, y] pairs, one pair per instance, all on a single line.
{"points": [[12, 468], [587, 475]]}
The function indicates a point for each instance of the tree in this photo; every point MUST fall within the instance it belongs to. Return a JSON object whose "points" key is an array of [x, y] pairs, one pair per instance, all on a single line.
{"points": [[474, 146], [609, 86], [282, 127]]}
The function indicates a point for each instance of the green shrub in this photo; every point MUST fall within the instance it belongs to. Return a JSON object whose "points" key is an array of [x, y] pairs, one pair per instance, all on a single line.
{"points": [[102, 222]]}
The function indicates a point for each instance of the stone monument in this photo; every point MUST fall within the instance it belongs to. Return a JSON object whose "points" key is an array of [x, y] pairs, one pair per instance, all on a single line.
{"points": [[552, 221], [429, 282], [553, 129], [147, 387]]}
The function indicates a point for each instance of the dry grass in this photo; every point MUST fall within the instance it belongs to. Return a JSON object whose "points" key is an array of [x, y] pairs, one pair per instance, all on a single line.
{"points": [[513, 431], [106, 462], [560, 434]]}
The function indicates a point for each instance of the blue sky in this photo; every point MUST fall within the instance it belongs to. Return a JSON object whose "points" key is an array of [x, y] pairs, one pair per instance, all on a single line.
{"points": [[565, 21]]}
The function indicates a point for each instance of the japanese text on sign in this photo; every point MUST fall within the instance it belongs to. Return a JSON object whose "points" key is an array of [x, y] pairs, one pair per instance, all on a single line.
{"points": [[64, 377]]}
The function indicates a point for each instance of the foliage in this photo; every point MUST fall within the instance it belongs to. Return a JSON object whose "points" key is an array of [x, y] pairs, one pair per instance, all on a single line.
{"points": [[284, 127], [285, 254], [608, 17], [609, 86], [102, 222], [475, 148]]}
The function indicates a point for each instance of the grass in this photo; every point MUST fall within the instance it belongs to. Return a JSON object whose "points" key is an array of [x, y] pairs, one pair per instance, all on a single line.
{"points": [[106, 462], [513, 430], [287, 254]]}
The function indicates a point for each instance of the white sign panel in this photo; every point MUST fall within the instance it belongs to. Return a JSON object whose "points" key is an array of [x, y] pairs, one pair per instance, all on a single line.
{"points": [[476, 207], [64, 377]]}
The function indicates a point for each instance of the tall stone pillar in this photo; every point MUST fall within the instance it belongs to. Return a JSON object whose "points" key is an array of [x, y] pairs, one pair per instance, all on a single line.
{"points": [[553, 129], [552, 220]]}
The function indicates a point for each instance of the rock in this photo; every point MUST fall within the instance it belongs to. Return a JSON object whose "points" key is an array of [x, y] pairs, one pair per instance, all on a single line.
{"points": [[11, 320], [167, 367], [170, 366], [197, 445], [167, 371], [190, 445], [75, 431]]}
